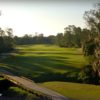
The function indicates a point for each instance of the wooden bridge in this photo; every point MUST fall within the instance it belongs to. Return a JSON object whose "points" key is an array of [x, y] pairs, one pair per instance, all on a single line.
{"points": [[32, 87]]}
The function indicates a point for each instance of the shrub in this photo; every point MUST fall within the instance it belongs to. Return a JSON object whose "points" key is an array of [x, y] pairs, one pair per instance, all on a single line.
{"points": [[87, 75]]}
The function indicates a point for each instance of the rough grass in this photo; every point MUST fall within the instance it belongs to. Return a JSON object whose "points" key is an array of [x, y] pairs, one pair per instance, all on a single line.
{"points": [[35, 60], [1, 78], [16, 91], [75, 91]]}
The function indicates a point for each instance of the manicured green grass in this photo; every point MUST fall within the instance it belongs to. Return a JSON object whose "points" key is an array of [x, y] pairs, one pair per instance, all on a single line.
{"points": [[43, 48], [35, 60], [75, 91]]}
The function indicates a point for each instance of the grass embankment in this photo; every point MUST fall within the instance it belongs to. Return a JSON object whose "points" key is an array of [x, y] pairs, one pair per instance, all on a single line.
{"points": [[75, 91], [39, 61]]}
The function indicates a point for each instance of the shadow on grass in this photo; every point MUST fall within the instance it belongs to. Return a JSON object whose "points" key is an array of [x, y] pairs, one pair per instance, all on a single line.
{"points": [[49, 52], [41, 68]]}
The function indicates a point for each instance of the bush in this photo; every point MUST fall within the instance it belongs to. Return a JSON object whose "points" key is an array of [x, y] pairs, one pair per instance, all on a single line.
{"points": [[87, 75]]}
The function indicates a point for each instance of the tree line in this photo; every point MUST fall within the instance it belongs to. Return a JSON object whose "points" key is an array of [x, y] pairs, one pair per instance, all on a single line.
{"points": [[72, 37], [37, 39]]}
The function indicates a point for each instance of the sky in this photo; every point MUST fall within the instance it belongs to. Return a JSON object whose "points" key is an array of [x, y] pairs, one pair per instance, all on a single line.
{"points": [[43, 16]]}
